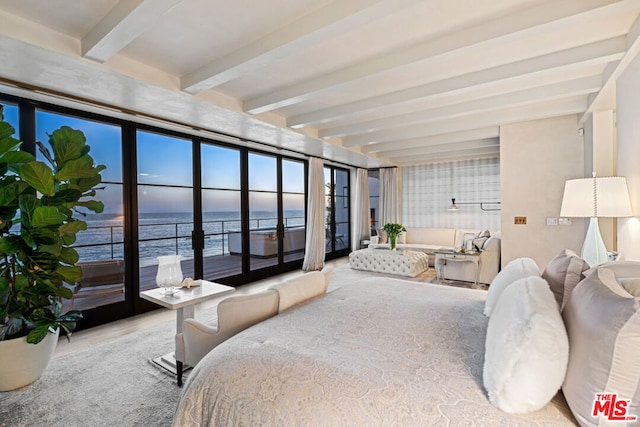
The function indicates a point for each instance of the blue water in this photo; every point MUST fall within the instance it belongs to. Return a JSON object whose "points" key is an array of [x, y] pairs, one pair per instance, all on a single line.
{"points": [[169, 233]]}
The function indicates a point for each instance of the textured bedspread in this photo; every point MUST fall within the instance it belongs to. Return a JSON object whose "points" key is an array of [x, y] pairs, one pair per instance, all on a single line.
{"points": [[376, 352]]}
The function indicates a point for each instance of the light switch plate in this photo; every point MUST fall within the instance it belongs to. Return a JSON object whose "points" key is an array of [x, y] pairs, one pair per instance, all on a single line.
{"points": [[552, 221]]}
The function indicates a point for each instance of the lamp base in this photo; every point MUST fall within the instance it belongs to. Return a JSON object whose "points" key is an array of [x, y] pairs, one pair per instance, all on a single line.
{"points": [[594, 252]]}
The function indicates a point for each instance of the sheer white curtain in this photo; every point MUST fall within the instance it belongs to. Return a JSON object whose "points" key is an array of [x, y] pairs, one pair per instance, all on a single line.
{"points": [[361, 226], [389, 196], [315, 241]]}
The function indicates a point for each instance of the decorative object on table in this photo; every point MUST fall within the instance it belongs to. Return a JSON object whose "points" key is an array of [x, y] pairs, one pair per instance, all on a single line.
{"points": [[596, 197], [492, 206], [37, 229], [393, 230], [189, 283], [169, 276]]}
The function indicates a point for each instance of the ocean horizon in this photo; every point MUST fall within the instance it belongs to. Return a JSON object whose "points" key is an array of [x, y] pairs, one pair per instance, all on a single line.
{"points": [[169, 233]]}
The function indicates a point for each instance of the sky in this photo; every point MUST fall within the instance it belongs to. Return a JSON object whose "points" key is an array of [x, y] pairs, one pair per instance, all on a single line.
{"points": [[167, 160]]}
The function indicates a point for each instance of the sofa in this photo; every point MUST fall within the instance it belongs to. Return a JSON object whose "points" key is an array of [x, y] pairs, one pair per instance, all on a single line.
{"points": [[429, 240], [264, 243]]}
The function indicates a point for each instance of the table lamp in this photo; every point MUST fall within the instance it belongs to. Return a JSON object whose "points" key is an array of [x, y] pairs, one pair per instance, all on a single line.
{"points": [[596, 197]]}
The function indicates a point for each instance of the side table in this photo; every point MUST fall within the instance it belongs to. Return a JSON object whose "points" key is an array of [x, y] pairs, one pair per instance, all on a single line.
{"points": [[183, 302], [442, 257]]}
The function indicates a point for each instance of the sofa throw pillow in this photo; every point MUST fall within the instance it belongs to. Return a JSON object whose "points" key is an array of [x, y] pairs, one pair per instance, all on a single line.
{"points": [[526, 349], [478, 243], [516, 269], [563, 273], [623, 269], [631, 285], [382, 235], [604, 336], [402, 237]]}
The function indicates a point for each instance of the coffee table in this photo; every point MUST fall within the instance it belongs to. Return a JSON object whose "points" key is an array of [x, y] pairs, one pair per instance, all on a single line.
{"points": [[183, 302], [398, 262]]}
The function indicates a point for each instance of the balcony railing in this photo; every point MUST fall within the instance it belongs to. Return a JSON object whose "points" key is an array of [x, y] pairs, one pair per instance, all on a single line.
{"points": [[165, 237]]}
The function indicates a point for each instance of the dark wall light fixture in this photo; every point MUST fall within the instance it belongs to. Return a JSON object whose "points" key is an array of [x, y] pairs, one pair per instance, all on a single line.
{"points": [[454, 206]]}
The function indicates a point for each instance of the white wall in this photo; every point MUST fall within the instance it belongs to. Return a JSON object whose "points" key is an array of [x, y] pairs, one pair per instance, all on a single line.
{"points": [[628, 146], [536, 159]]}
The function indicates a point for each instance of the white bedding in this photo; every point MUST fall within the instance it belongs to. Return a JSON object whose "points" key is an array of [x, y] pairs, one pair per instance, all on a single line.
{"points": [[377, 352]]}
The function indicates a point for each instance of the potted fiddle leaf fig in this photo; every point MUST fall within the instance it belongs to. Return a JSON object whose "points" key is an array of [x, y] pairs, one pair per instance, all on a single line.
{"points": [[39, 202]]}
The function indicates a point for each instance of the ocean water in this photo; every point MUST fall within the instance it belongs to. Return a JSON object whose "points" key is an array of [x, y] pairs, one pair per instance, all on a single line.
{"points": [[170, 233]]}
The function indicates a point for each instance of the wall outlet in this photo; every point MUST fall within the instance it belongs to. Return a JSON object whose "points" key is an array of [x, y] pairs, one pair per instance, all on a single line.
{"points": [[564, 221], [519, 220]]}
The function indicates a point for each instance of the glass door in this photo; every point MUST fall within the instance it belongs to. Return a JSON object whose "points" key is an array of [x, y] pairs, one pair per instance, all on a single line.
{"points": [[165, 203], [101, 245], [221, 211]]}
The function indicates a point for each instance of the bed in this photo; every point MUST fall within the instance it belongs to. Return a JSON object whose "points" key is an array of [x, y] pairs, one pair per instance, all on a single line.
{"points": [[376, 352]]}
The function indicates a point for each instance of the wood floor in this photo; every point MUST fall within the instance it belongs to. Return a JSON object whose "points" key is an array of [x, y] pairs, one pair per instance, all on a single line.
{"points": [[98, 335]]}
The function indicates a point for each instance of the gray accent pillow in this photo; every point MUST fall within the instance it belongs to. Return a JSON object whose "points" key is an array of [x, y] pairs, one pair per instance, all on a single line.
{"points": [[603, 324], [382, 235], [563, 273], [478, 243]]}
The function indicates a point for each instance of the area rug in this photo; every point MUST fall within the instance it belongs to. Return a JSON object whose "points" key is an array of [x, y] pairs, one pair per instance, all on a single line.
{"points": [[112, 384]]}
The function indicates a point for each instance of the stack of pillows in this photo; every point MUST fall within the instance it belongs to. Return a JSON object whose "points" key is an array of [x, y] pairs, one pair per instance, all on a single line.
{"points": [[569, 327]]}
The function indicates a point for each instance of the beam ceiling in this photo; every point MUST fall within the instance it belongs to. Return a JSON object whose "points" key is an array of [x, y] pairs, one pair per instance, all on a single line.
{"points": [[370, 82]]}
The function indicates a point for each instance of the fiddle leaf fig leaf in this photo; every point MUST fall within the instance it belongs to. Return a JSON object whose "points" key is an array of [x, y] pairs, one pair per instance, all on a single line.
{"points": [[46, 215], [7, 143], [92, 205], [39, 176], [10, 193], [68, 144], [77, 168], [69, 256], [36, 335], [15, 159], [70, 274]]}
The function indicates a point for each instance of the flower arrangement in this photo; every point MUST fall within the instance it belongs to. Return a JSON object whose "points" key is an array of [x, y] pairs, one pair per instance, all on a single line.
{"points": [[393, 230]]}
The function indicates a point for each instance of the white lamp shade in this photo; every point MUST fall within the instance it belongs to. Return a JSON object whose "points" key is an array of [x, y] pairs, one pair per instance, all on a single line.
{"points": [[596, 197]]}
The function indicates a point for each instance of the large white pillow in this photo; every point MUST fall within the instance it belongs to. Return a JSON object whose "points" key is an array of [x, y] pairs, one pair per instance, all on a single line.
{"points": [[514, 270], [527, 348]]}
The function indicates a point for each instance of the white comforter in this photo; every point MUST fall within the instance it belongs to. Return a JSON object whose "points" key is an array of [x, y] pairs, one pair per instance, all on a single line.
{"points": [[377, 352]]}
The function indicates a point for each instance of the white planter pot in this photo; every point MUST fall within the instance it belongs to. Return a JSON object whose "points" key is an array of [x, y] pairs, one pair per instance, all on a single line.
{"points": [[22, 363]]}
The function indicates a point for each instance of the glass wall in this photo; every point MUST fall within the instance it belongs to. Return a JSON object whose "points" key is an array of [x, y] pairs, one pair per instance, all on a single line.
{"points": [[294, 208], [221, 208], [337, 210], [101, 246], [374, 198], [165, 203], [232, 213]]}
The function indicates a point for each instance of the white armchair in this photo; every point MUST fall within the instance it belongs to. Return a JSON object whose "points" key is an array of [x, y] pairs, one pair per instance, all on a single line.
{"points": [[235, 314]]}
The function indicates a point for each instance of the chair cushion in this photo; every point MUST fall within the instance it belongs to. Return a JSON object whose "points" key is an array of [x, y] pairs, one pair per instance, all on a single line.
{"points": [[516, 269], [603, 324], [563, 273], [526, 349]]}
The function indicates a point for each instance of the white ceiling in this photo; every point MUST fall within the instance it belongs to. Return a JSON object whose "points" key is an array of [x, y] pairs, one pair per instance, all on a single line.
{"points": [[400, 81]]}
